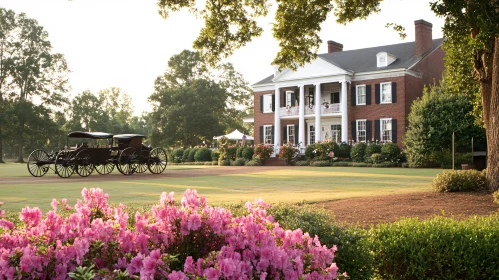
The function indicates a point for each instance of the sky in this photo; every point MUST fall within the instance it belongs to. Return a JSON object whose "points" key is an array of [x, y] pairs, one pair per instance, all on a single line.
{"points": [[127, 44]]}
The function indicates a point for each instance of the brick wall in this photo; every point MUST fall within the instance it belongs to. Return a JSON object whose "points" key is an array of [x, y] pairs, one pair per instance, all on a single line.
{"points": [[261, 118]]}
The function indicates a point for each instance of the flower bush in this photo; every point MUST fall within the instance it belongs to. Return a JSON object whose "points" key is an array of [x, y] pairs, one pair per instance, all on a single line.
{"points": [[287, 152], [190, 241], [263, 151]]}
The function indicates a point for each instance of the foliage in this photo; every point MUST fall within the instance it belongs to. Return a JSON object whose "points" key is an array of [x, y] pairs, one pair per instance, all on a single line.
{"points": [[189, 241], [203, 154], [302, 163], [215, 155], [231, 153], [287, 152], [496, 197], [178, 155], [358, 152], [239, 162], [192, 153], [344, 151], [459, 181], [185, 155], [440, 248], [321, 150], [372, 148], [253, 162], [320, 163], [223, 145], [309, 151], [390, 152], [263, 151], [247, 153], [377, 158], [443, 159], [239, 152], [224, 162]]}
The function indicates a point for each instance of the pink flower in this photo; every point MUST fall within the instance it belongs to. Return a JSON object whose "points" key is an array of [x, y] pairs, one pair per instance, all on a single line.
{"points": [[31, 216], [212, 274], [54, 204], [177, 275], [194, 222], [6, 224]]}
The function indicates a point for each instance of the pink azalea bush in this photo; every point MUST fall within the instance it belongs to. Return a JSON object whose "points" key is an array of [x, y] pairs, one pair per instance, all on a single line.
{"points": [[191, 241]]}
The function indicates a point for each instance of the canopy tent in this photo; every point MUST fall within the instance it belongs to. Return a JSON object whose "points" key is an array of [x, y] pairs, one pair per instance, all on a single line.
{"points": [[235, 135]]}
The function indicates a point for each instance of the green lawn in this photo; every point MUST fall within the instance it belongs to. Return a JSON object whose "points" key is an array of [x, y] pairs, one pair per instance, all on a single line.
{"points": [[286, 185]]}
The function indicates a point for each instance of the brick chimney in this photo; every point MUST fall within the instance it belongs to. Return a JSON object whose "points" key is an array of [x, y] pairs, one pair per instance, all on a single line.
{"points": [[333, 46], [423, 37]]}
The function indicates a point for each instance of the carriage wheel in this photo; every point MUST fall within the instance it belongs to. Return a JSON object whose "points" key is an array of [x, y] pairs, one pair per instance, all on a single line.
{"points": [[157, 161], [105, 168], [84, 166], [37, 163], [64, 164], [128, 161], [141, 168]]}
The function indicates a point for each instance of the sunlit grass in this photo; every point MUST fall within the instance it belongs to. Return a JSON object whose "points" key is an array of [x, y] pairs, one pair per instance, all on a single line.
{"points": [[292, 184]]}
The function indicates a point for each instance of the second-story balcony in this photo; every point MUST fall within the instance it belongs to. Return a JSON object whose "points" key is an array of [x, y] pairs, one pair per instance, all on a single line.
{"points": [[310, 110]]}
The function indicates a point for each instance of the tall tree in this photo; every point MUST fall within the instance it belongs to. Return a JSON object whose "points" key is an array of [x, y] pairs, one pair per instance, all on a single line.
{"points": [[230, 25], [33, 72], [118, 107]]}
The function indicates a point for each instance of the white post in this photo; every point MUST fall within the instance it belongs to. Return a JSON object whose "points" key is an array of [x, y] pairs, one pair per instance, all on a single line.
{"points": [[318, 128], [344, 112], [301, 119], [277, 121]]}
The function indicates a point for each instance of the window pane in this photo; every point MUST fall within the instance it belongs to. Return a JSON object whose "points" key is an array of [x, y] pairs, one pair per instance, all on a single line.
{"points": [[361, 131], [268, 134], [386, 130], [386, 93], [312, 134], [361, 95]]}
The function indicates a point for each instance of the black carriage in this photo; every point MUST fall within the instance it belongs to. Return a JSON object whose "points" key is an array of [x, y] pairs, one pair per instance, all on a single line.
{"points": [[136, 157]]}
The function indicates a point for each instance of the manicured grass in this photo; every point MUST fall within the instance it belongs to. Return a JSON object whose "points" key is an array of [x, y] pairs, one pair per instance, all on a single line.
{"points": [[292, 185]]}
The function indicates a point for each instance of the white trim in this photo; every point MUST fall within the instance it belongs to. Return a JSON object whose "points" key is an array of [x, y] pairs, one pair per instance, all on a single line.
{"points": [[290, 92], [265, 109], [357, 129], [265, 87], [388, 73], [379, 57], [287, 133], [357, 94], [381, 93], [309, 125], [381, 129], [265, 135]]}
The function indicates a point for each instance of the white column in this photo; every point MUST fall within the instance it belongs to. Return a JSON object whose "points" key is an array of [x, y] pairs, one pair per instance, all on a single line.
{"points": [[318, 127], [301, 119], [277, 120], [344, 112]]}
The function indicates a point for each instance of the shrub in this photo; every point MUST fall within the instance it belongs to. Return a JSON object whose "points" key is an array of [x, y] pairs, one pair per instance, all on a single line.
{"points": [[385, 164], [440, 248], [225, 162], [287, 152], [253, 162], [203, 154], [376, 158], [496, 197], [231, 153], [343, 151], [192, 153], [215, 162], [309, 151], [372, 148], [390, 152], [238, 162], [320, 163], [185, 155], [405, 165], [239, 152], [459, 181], [177, 155], [302, 163], [358, 152], [263, 151], [341, 163], [247, 153], [215, 155]]}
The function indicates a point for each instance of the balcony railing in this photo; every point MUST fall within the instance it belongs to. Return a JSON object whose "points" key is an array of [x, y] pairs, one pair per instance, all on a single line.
{"points": [[310, 110]]}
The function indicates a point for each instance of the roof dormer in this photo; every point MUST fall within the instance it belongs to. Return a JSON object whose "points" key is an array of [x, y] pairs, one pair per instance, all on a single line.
{"points": [[384, 59]]}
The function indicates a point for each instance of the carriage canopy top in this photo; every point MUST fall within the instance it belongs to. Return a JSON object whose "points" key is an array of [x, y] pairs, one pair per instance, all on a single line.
{"points": [[91, 135], [127, 138]]}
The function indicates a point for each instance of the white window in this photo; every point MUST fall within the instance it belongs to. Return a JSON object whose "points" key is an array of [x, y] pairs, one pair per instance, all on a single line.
{"points": [[386, 93], [311, 135], [267, 134], [289, 97], [361, 95], [291, 134], [382, 59], [361, 130], [267, 103], [336, 132], [386, 130]]}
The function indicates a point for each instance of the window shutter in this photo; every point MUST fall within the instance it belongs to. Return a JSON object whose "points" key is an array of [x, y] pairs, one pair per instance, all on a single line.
{"points": [[377, 94], [354, 93], [394, 92], [368, 94], [273, 102], [297, 132], [377, 131], [285, 134], [394, 131], [293, 99], [272, 136], [261, 135], [354, 131], [261, 104], [369, 129]]}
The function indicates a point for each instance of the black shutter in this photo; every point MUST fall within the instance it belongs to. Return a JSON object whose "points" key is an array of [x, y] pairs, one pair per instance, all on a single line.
{"points": [[261, 135], [285, 134], [273, 102], [297, 132], [394, 92], [354, 131], [376, 130], [368, 95], [272, 136], [293, 99], [369, 129], [394, 131], [353, 95], [377, 97]]}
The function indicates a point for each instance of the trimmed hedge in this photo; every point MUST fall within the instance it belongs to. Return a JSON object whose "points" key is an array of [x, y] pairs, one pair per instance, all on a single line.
{"points": [[214, 156], [459, 181], [390, 152], [231, 153], [320, 163], [191, 155], [203, 154], [238, 162], [358, 152], [248, 152], [178, 155], [185, 155], [371, 149], [302, 163], [440, 248], [253, 162]]}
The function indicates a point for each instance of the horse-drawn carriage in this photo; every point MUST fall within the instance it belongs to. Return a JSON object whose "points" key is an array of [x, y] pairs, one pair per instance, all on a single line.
{"points": [[127, 153]]}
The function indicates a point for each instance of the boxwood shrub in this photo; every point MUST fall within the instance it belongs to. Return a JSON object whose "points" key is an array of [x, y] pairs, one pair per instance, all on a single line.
{"points": [[372, 148], [343, 151], [185, 155], [231, 153], [320, 163], [358, 152], [440, 248], [238, 162], [253, 162], [214, 156], [192, 152], [390, 152], [302, 163], [459, 181], [248, 152], [203, 154], [178, 155]]}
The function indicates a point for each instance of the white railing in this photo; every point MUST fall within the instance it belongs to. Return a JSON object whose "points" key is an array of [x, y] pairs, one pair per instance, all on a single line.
{"points": [[292, 111], [310, 110]]}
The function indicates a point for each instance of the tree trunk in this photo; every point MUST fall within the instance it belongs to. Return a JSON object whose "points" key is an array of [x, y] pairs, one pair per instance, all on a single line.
{"points": [[20, 158], [490, 97], [1, 148]]}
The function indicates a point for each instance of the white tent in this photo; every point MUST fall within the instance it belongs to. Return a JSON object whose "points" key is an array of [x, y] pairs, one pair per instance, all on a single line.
{"points": [[235, 135]]}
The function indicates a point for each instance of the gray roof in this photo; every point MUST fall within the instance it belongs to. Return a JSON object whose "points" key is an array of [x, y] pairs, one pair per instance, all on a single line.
{"points": [[364, 60]]}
